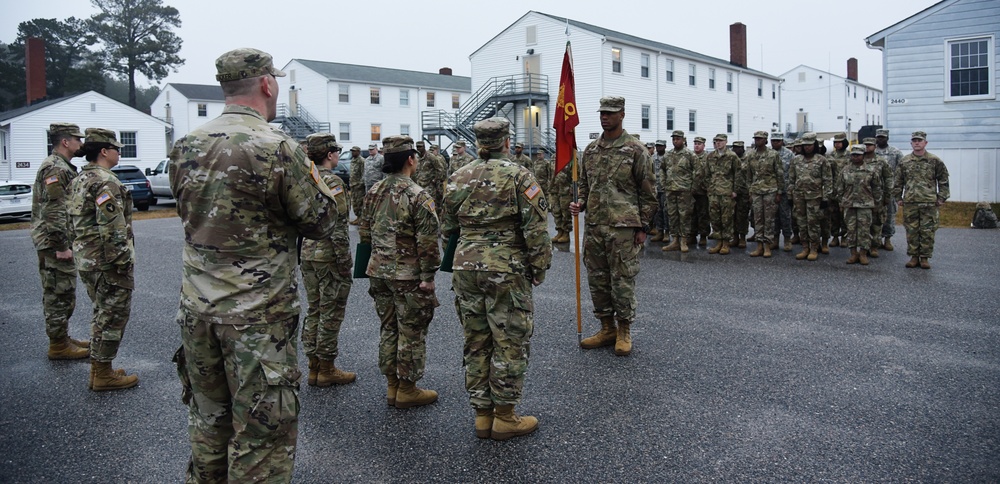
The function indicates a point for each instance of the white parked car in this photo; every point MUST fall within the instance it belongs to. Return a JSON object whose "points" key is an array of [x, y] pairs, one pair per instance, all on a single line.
{"points": [[15, 199], [159, 180]]}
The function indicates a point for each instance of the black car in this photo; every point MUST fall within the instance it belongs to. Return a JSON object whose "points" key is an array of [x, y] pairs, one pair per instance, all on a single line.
{"points": [[136, 182], [343, 169]]}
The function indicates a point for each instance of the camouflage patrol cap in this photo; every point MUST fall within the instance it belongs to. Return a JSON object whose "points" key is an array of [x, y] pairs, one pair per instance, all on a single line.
{"points": [[244, 63], [419, 143], [650, 144], [356, 148], [778, 137], [66, 129], [397, 144], [919, 135], [881, 133], [612, 104], [661, 142], [321, 143], [840, 137], [460, 142], [699, 139], [373, 146], [808, 138], [760, 134], [101, 135], [857, 150], [434, 147], [677, 134], [491, 133], [738, 144], [720, 137], [797, 142], [519, 145], [868, 141]]}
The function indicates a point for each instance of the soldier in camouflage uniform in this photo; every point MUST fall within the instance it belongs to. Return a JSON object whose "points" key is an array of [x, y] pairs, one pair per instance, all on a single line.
{"points": [[357, 182], [722, 168], [860, 191], [326, 274], [783, 218], [519, 157], [700, 226], [432, 172], [373, 168], [100, 208], [559, 195], [921, 187], [500, 213], [661, 222], [616, 190], [765, 175], [811, 188], [741, 205], [245, 194], [460, 158], [52, 235], [879, 164], [400, 221], [677, 175], [838, 159], [892, 156]]}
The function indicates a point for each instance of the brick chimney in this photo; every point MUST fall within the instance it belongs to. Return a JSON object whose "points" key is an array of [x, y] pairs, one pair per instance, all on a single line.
{"points": [[34, 64], [852, 69], [738, 44], [445, 71]]}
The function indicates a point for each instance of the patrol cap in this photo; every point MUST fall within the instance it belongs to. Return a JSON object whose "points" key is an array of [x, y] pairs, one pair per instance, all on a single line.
{"points": [[919, 135], [244, 63], [67, 129], [720, 137], [356, 148], [434, 146], [397, 144], [857, 150], [808, 138], [840, 137], [612, 104], [321, 143], [699, 139], [373, 146], [491, 133], [760, 134], [101, 135], [739, 144], [868, 141], [797, 142], [519, 145], [661, 142], [419, 143], [650, 144], [460, 142], [881, 132], [778, 137]]}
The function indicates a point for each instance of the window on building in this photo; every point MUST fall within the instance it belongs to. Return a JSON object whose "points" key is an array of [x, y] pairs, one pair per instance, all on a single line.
{"points": [[531, 35], [128, 141], [404, 97], [616, 60], [376, 132], [202, 110], [774, 91], [645, 116], [760, 88], [692, 121], [430, 99], [404, 130], [376, 94], [729, 123], [456, 101], [670, 70], [855, 92], [345, 131], [345, 93], [802, 77], [670, 119], [969, 75], [644, 66], [729, 82], [692, 71], [711, 78], [866, 95]]}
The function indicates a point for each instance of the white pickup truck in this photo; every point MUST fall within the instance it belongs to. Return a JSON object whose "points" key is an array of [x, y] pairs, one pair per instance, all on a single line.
{"points": [[159, 180]]}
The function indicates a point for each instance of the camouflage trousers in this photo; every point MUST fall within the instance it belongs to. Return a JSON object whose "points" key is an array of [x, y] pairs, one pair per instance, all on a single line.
{"points": [[326, 292], [889, 226], [741, 214], [357, 197], [858, 220], [406, 312], [810, 220], [58, 293], [241, 386], [496, 312], [764, 208], [699, 216], [921, 222], [660, 220], [878, 219], [721, 213], [837, 226], [559, 201], [783, 218], [679, 207], [111, 293], [612, 259]]}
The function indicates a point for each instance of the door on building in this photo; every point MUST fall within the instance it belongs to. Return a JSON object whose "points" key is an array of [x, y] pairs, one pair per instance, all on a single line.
{"points": [[293, 102], [532, 128], [532, 71], [802, 122]]}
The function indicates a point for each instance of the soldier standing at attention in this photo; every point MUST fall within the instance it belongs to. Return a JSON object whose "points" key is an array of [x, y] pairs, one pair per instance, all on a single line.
{"points": [[879, 164], [741, 205], [357, 182], [326, 274], [860, 190], [699, 191], [765, 175], [661, 223], [616, 190], [245, 193], [559, 196], [400, 221], [373, 168], [431, 174], [461, 158], [722, 167], [101, 211], [500, 213], [839, 159], [52, 235], [520, 158], [783, 220], [892, 156], [812, 187], [677, 174], [922, 188]]}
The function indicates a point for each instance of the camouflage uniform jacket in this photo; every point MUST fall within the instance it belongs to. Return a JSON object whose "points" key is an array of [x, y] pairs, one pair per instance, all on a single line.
{"points": [[743, 177], [921, 179], [786, 156], [500, 213], [337, 247], [431, 174], [616, 183], [859, 187], [357, 173], [722, 168], [101, 210], [458, 161], [892, 156], [542, 169], [400, 221], [245, 193], [657, 162], [50, 224], [523, 160], [677, 170], [700, 183], [838, 161], [878, 163], [765, 172], [373, 170], [810, 179]]}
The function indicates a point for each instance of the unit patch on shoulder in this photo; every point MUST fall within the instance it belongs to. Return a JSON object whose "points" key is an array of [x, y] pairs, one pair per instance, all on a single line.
{"points": [[315, 173], [532, 191]]}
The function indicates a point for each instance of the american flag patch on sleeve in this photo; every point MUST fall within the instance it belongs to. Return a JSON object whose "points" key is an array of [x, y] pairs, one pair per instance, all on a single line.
{"points": [[104, 197], [52, 179], [430, 206], [532, 191], [338, 190]]}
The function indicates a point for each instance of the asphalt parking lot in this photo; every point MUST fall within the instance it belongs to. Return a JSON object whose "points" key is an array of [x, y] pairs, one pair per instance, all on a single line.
{"points": [[744, 369]]}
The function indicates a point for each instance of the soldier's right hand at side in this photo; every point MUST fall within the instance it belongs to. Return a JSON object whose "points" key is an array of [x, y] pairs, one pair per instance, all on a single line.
{"points": [[64, 254], [574, 208], [427, 286]]}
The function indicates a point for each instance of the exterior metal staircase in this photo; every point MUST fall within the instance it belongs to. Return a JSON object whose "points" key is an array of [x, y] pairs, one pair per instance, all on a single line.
{"points": [[298, 123]]}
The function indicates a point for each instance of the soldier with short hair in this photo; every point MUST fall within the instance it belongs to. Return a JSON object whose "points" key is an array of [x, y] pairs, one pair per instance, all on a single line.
{"points": [[879, 164], [461, 157], [783, 218], [700, 221], [812, 187], [432, 172], [52, 235], [661, 223], [892, 156], [766, 180], [860, 191], [357, 182], [839, 158], [373, 167], [519, 157], [677, 174], [722, 168], [921, 187]]}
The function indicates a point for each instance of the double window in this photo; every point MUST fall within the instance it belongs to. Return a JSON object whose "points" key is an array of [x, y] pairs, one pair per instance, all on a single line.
{"points": [[969, 69]]}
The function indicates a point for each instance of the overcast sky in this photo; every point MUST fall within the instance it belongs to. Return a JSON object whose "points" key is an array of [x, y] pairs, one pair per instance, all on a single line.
{"points": [[425, 36]]}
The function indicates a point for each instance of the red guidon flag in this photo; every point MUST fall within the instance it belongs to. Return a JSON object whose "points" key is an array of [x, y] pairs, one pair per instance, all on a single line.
{"points": [[566, 116]]}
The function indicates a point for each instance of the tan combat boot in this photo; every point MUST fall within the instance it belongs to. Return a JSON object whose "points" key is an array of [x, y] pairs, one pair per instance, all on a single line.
{"points": [[725, 248], [873, 252], [924, 263], [313, 371], [715, 248], [657, 238], [484, 422], [90, 383], [605, 337], [913, 262], [684, 244], [796, 239], [767, 250], [759, 251], [853, 259], [743, 241], [408, 395], [104, 378], [557, 236], [329, 374], [788, 244], [564, 238], [835, 242], [83, 343], [507, 424], [391, 387], [623, 341], [823, 247], [675, 245], [66, 350], [887, 244], [863, 256], [813, 253], [805, 252]]}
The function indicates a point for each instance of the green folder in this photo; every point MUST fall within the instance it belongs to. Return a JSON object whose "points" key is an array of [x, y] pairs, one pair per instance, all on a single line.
{"points": [[361, 258], [449, 253]]}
